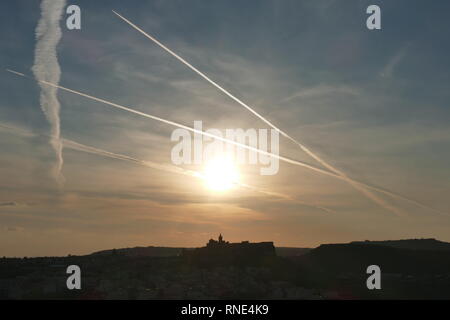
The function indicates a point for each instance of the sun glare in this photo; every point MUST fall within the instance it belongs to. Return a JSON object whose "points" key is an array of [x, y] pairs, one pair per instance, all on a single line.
{"points": [[221, 174]]}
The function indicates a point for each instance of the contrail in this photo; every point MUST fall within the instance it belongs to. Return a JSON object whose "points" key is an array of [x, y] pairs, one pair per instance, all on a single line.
{"points": [[174, 169], [357, 186], [179, 125], [161, 167], [46, 67], [89, 149], [282, 158]]}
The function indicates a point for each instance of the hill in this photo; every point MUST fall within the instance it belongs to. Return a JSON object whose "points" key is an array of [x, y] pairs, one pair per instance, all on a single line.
{"points": [[355, 257], [291, 251], [143, 252], [152, 251], [412, 244]]}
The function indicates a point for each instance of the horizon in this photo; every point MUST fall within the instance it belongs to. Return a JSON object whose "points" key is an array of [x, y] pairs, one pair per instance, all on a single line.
{"points": [[193, 247], [166, 122]]}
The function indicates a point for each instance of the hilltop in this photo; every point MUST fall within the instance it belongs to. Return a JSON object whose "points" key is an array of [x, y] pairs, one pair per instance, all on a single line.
{"points": [[412, 244], [152, 251], [149, 251]]}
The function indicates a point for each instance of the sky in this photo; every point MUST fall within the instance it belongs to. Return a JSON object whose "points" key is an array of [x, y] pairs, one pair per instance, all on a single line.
{"points": [[374, 104]]}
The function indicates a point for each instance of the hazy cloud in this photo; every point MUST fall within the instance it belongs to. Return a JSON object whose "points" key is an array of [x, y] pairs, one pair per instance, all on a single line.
{"points": [[8, 204]]}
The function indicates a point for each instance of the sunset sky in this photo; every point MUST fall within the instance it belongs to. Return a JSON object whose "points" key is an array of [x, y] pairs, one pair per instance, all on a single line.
{"points": [[374, 104]]}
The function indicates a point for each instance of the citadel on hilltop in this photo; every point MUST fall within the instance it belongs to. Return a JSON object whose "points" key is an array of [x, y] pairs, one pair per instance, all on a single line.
{"points": [[225, 253]]}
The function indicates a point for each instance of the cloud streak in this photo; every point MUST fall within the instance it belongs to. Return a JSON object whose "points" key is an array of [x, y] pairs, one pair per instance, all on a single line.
{"points": [[389, 68], [46, 67], [282, 158], [8, 204], [369, 194], [150, 164], [174, 169]]}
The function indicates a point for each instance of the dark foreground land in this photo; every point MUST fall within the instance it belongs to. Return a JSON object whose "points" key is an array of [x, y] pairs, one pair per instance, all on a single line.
{"points": [[410, 269]]}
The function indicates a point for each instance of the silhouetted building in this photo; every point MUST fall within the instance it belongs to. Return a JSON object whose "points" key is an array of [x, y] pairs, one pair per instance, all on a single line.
{"points": [[223, 252]]}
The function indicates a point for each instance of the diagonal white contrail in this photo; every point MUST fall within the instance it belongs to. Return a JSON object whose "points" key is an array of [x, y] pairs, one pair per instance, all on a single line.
{"points": [[158, 166], [357, 186], [282, 158], [179, 125]]}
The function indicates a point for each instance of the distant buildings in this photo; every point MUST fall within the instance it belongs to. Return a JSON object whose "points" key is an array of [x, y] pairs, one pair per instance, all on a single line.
{"points": [[220, 252]]}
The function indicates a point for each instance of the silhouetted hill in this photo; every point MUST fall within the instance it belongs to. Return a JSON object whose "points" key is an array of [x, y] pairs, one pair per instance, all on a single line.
{"points": [[355, 257], [172, 252], [290, 251], [143, 252], [412, 244], [331, 271]]}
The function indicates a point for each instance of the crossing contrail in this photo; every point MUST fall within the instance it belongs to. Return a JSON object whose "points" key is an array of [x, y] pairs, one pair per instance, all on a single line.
{"points": [[357, 186], [179, 125], [158, 166], [281, 158]]}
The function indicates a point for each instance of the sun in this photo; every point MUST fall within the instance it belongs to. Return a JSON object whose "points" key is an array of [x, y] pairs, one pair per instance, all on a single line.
{"points": [[220, 174]]}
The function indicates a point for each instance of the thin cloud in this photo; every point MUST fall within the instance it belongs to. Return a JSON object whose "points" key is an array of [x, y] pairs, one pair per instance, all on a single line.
{"points": [[158, 166], [320, 91], [8, 204], [389, 68], [333, 173], [13, 229], [358, 186]]}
